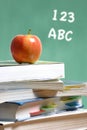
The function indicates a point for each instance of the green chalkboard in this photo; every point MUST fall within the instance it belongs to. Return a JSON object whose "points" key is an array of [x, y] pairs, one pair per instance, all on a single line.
{"points": [[60, 24]]}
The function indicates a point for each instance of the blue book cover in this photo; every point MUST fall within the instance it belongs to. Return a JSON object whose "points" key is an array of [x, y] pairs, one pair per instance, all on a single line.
{"points": [[24, 101]]}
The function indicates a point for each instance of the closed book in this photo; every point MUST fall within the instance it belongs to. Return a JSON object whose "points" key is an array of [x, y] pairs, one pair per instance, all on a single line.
{"points": [[70, 88], [73, 87], [41, 84], [19, 109], [16, 94], [11, 71]]}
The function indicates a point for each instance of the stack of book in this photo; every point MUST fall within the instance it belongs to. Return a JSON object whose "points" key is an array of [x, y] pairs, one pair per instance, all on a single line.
{"points": [[34, 94]]}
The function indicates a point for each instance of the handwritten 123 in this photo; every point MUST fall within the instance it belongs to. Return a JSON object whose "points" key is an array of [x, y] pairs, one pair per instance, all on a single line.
{"points": [[61, 34]]}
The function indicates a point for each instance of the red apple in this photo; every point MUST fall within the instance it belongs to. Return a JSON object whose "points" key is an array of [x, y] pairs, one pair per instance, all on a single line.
{"points": [[26, 48]]}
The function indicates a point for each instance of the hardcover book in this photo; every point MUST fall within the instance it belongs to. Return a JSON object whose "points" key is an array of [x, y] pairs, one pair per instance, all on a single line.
{"points": [[18, 110], [10, 71]]}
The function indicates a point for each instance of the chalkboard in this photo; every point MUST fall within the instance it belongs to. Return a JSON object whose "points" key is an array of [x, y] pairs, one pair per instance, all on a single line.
{"points": [[60, 24]]}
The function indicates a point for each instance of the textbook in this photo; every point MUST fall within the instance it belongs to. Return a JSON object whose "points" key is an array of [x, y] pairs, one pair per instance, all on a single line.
{"points": [[10, 71], [70, 88], [16, 94], [44, 84], [71, 120], [18, 110], [74, 88]]}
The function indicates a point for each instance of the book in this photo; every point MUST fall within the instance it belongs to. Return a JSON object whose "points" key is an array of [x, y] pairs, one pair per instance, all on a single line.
{"points": [[72, 102], [41, 84], [10, 71], [74, 85], [74, 88], [71, 120], [70, 88], [16, 94], [18, 110]]}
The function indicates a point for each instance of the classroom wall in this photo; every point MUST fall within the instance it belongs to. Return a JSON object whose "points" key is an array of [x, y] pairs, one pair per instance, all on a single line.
{"points": [[60, 24]]}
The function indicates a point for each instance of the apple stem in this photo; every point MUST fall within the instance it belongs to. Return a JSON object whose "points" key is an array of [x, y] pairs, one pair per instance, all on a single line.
{"points": [[29, 31]]}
